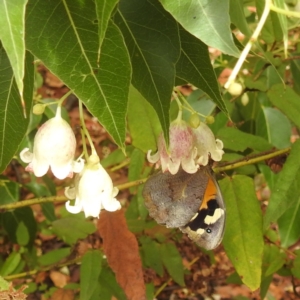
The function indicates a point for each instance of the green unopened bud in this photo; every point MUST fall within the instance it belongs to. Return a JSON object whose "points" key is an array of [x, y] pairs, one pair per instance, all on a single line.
{"points": [[235, 89], [38, 109], [245, 99], [210, 120], [194, 121]]}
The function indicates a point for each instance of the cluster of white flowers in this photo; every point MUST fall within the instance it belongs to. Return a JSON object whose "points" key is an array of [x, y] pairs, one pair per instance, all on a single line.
{"points": [[54, 147], [188, 147]]}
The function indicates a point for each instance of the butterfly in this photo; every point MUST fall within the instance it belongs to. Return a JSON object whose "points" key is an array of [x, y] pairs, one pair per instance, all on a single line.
{"points": [[191, 202]]}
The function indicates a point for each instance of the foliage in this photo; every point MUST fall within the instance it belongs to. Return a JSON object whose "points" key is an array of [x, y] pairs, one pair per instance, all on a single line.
{"points": [[122, 59]]}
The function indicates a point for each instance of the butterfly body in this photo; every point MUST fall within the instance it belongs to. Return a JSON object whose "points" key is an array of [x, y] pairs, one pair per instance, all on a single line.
{"points": [[191, 202]]}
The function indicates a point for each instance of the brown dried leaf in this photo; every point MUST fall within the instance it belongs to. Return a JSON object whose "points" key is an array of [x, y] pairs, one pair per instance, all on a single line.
{"points": [[121, 249], [59, 279], [10, 294], [62, 294]]}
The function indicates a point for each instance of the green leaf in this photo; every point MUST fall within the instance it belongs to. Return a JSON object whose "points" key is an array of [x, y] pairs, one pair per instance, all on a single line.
{"points": [[274, 126], [284, 98], [4, 285], [151, 255], [152, 39], [150, 127], [13, 124], [237, 140], [296, 265], [90, 270], [237, 16], [64, 36], [172, 260], [136, 166], [53, 256], [273, 259], [287, 189], [10, 264], [70, 229], [104, 10], [40, 190], [288, 223], [194, 66], [22, 234], [109, 286], [12, 219], [271, 30], [283, 23], [207, 20], [12, 18], [243, 240], [9, 191]]}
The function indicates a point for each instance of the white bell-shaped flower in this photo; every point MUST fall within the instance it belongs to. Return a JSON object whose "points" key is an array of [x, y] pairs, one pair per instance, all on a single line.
{"points": [[54, 147], [181, 150], [206, 144], [93, 190], [189, 147]]}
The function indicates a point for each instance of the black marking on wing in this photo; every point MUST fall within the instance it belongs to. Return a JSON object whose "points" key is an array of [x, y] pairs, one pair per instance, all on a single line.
{"points": [[198, 222]]}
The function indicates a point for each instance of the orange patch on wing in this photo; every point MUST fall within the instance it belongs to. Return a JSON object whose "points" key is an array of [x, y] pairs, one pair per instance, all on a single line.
{"points": [[210, 193]]}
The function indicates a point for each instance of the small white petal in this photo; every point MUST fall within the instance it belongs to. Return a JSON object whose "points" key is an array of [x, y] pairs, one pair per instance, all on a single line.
{"points": [[70, 192], [111, 205], [61, 171], [73, 209], [154, 158], [115, 192], [77, 166], [26, 156], [40, 166]]}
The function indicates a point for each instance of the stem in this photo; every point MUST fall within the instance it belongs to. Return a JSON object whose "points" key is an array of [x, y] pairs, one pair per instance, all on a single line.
{"points": [[229, 166], [246, 50], [62, 99], [33, 272], [85, 131], [285, 12], [248, 161]]}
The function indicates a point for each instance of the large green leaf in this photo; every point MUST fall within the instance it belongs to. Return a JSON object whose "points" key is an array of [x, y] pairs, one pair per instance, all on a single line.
{"points": [[173, 262], [237, 16], [12, 19], [287, 101], [237, 140], [243, 240], [152, 39], [144, 134], [287, 189], [274, 126], [13, 124], [64, 35], [90, 270], [288, 223], [72, 228], [208, 20], [194, 67]]}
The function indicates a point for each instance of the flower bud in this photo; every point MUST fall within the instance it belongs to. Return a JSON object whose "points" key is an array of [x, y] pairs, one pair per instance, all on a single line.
{"points": [[194, 121], [235, 89], [38, 109], [210, 120], [245, 99]]}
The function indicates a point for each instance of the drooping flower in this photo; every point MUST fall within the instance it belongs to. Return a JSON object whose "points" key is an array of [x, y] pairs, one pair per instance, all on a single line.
{"points": [[93, 190], [181, 150], [54, 147], [189, 147], [206, 144]]}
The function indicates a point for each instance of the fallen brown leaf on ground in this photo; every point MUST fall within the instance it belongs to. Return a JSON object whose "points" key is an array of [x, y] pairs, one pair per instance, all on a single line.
{"points": [[121, 249]]}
